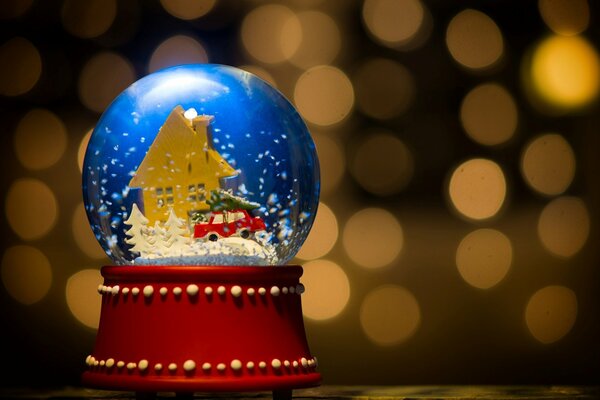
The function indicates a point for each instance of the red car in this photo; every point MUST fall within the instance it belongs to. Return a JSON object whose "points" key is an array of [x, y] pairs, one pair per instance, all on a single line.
{"points": [[222, 224]]}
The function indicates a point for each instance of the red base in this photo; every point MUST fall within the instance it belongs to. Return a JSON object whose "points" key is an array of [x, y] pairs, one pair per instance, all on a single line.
{"points": [[188, 329]]}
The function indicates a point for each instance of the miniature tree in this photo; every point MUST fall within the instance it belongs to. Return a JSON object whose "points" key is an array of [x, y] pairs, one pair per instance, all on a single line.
{"points": [[138, 233], [176, 233], [160, 240], [221, 200]]}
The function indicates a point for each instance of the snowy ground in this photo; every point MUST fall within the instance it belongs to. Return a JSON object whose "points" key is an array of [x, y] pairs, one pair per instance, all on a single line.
{"points": [[226, 251]]}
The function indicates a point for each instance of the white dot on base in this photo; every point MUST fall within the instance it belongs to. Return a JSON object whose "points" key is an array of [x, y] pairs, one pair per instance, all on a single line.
{"points": [[262, 365], [236, 365], [189, 365], [148, 290], [115, 290], [275, 291], [163, 291], [284, 290], [206, 366], [192, 290], [221, 290], [125, 291], [100, 288], [292, 289], [262, 291], [276, 363], [143, 365], [110, 362], [131, 366], [172, 367], [295, 364], [96, 363], [158, 367], [250, 365], [135, 291], [286, 363], [304, 362], [250, 291], [177, 291], [221, 367], [300, 288], [236, 291], [102, 362], [120, 364], [208, 290]]}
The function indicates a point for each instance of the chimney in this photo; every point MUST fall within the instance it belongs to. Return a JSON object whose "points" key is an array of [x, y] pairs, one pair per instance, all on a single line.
{"points": [[202, 123]]}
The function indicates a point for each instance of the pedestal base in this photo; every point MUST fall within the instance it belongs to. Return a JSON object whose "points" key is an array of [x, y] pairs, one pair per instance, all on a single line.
{"points": [[209, 329]]}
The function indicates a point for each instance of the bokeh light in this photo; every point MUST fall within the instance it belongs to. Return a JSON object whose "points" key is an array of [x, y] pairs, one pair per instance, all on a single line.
{"points": [[328, 290], [271, 33], [102, 78], [26, 274], [324, 95], [84, 236], [395, 23], [477, 188], [14, 8], [321, 39], [384, 88], [548, 164], [551, 313], [322, 236], [390, 315], [82, 296], [40, 139], [23, 71], [373, 238], [565, 17], [90, 18], [31, 208], [332, 163], [83, 147], [188, 9], [564, 226], [474, 40], [489, 114], [177, 50], [382, 165], [565, 72], [484, 257], [261, 73]]}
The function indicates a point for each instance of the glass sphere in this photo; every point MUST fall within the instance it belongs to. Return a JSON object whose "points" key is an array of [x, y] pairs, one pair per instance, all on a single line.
{"points": [[201, 165]]}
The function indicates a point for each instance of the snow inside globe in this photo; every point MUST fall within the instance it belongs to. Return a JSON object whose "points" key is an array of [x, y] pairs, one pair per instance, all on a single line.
{"points": [[201, 165]]}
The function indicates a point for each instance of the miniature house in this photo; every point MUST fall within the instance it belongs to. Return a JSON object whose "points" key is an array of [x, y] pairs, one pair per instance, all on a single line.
{"points": [[180, 169]]}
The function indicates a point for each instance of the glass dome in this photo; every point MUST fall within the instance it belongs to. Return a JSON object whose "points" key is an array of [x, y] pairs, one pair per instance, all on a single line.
{"points": [[201, 165]]}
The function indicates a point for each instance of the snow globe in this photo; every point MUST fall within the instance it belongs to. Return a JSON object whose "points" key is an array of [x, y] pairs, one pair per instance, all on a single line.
{"points": [[200, 182]]}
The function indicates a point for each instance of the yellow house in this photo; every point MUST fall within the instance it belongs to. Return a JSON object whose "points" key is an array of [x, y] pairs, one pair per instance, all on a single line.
{"points": [[180, 169]]}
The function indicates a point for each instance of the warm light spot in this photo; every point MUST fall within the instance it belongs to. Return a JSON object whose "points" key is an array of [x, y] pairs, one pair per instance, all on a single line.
{"points": [[327, 290], [394, 23], [384, 88], [331, 163], [382, 165], [474, 39], [565, 17], [321, 40], [14, 8], [31, 208], [489, 114], [26, 273], [90, 18], [23, 71], [177, 50], [40, 139], [322, 237], [373, 238], [271, 33], [188, 9], [82, 296], [83, 235], [564, 226], [82, 148], [261, 73], [484, 257], [103, 77], [565, 71], [477, 188], [551, 313], [324, 95], [390, 315], [548, 164]]}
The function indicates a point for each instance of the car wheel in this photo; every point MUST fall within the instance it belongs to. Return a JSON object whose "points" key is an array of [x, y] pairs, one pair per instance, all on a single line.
{"points": [[213, 237], [244, 233]]}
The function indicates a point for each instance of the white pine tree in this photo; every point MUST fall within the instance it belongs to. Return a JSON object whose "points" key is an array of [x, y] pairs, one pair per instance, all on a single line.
{"points": [[138, 233], [177, 235], [160, 240]]}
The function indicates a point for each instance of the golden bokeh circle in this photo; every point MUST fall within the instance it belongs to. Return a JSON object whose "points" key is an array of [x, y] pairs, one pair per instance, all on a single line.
{"points": [[177, 50], [373, 238], [40, 139], [390, 315], [90, 18], [477, 189], [83, 147], [332, 163], [188, 9], [323, 235], [83, 235], [394, 23], [565, 17], [474, 40], [23, 71], [551, 313], [484, 257], [82, 296], [327, 290], [564, 226], [31, 208], [489, 114], [321, 39], [26, 273]]}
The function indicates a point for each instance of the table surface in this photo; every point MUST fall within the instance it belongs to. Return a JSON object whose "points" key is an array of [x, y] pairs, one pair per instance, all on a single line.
{"points": [[345, 392]]}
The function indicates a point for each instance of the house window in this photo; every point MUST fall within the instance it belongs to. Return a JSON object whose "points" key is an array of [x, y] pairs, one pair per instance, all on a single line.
{"points": [[164, 196], [201, 192], [196, 192]]}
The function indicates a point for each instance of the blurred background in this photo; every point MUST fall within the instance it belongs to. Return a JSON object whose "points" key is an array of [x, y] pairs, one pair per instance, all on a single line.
{"points": [[458, 143]]}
